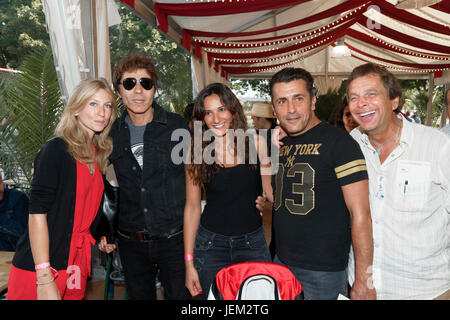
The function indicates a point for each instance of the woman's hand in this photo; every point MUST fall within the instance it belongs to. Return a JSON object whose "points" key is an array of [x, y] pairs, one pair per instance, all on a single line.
{"points": [[263, 204], [48, 292], [105, 246], [47, 288], [192, 281]]}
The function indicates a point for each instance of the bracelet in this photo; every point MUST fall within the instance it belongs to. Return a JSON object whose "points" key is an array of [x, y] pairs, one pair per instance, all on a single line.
{"points": [[44, 283], [188, 257]]}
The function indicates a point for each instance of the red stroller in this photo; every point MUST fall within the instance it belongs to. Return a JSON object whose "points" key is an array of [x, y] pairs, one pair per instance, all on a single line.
{"points": [[255, 281]]}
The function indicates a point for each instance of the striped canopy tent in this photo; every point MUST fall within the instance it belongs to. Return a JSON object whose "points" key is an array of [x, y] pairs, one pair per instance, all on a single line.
{"points": [[255, 38]]}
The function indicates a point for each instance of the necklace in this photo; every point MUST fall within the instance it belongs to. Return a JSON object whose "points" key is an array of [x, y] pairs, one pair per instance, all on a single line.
{"points": [[379, 146]]}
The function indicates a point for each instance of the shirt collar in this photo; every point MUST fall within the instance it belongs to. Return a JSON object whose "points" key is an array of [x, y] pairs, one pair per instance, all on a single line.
{"points": [[405, 137]]}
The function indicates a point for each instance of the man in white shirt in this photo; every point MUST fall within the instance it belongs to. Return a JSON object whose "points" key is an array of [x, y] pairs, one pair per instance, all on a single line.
{"points": [[409, 183], [446, 129]]}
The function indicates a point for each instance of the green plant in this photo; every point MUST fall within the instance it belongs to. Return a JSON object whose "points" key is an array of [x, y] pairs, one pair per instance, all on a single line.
{"points": [[327, 104], [30, 107], [415, 95]]}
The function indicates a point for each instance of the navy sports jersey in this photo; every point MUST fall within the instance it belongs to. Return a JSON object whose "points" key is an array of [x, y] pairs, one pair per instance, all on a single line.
{"points": [[311, 219]]}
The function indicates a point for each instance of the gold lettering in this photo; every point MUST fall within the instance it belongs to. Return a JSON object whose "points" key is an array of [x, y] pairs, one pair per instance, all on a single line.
{"points": [[285, 150], [298, 146], [310, 147], [316, 148], [303, 149], [290, 161]]}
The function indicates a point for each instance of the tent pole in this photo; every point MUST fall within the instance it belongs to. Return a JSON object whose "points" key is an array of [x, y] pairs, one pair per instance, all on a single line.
{"points": [[444, 113], [94, 33], [430, 97], [326, 70]]}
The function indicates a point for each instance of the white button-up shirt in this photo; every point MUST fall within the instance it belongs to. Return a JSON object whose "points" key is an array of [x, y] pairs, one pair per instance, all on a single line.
{"points": [[410, 208]]}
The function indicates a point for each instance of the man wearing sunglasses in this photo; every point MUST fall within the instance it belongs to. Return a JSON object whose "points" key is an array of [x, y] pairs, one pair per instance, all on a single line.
{"points": [[151, 186]]}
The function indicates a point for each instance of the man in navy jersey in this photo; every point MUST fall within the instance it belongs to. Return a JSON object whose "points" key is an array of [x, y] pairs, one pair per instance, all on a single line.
{"points": [[321, 203]]}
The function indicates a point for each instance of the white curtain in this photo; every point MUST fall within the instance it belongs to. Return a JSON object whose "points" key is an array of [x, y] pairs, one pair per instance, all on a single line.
{"points": [[79, 52]]}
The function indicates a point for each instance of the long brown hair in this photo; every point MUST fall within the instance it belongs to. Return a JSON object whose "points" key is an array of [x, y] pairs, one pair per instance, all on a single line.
{"points": [[201, 173], [69, 128]]}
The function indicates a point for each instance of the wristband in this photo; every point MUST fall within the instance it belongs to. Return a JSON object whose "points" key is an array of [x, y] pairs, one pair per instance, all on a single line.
{"points": [[45, 265], [42, 265], [188, 257]]}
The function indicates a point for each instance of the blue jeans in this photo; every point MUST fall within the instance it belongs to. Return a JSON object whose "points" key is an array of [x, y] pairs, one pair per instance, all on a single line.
{"points": [[214, 251], [319, 285]]}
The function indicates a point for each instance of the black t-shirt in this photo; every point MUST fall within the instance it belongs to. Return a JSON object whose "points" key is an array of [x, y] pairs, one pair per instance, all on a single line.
{"points": [[311, 220]]}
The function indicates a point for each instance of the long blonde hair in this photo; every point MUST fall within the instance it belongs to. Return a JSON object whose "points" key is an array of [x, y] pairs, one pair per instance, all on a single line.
{"points": [[70, 130]]}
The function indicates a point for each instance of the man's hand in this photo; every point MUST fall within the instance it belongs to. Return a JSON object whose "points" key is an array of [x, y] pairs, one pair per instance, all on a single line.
{"points": [[363, 291], [105, 246], [278, 135]]}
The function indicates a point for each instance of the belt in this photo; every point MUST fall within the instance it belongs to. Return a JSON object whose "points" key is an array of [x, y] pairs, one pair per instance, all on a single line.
{"points": [[144, 236], [83, 242]]}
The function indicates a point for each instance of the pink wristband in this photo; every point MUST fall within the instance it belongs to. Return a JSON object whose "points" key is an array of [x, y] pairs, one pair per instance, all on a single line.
{"points": [[188, 257], [45, 265], [42, 265]]}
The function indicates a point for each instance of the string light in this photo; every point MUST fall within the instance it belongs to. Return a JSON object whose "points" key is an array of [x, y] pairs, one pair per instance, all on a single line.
{"points": [[411, 70], [214, 50], [411, 52], [283, 64], [403, 25], [266, 50], [305, 36]]}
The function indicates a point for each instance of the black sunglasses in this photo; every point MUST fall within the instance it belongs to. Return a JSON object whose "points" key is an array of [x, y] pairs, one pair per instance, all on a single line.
{"points": [[130, 83]]}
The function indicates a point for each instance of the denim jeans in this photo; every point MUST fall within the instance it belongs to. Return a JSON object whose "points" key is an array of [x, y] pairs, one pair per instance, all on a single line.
{"points": [[141, 261], [319, 285], [215, 251]]}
